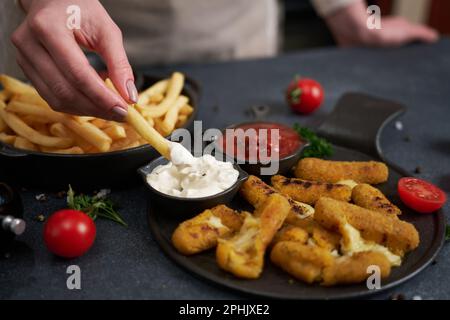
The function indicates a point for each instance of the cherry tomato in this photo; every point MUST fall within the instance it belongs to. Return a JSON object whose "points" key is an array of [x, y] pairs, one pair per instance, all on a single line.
{"points": [[420, 195], [69, 233], [304, 95]]}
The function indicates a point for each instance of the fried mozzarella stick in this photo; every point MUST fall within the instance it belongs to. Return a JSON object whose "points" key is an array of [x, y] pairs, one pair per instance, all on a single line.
{"points": [[354, 268], [310, 191], [398, 236], [243, 254], [314, 264], [371, 198], [255, 191], [314, 169], [303, 262], [291, 233], [201, 232]]}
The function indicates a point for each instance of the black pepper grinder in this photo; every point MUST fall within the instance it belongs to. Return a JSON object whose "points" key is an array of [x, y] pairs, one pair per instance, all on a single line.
{"points": [[11, 214]]}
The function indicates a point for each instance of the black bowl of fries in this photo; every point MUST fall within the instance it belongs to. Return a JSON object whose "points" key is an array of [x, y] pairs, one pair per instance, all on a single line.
{"points": [[43, 148], [179, 206]]}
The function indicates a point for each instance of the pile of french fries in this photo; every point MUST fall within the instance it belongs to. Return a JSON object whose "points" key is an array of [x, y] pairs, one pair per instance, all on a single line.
{"points": [[28, 122]]}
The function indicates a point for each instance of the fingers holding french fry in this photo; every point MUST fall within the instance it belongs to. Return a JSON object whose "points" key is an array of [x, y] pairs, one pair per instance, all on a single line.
{"points": [[160, 110]]}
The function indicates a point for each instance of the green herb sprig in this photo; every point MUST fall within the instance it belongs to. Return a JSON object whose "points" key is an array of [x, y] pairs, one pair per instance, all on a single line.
{"points": [[318, 147], [447, 232], [97, 206]]}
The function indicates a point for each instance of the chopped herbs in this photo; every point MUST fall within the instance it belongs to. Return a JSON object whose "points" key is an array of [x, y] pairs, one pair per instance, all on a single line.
{"points": [[318, 147], [97, 206], [447, 233]]}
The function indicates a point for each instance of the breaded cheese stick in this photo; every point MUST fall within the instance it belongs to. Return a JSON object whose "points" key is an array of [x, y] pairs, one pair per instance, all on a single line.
{"points": [[255, 191], [371, 198], [201, 232], [314, 264], [243, 254], [291, 233], [303, 262], [310, 191], [353, 269], [398, 236], [314, 169]]}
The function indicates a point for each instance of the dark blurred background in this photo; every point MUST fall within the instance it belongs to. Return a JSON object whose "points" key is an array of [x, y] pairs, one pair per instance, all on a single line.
{"points": [[302, 27]]}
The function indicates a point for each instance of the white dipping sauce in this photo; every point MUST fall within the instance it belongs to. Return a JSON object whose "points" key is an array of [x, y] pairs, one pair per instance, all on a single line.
{"points": [[189, 177]]}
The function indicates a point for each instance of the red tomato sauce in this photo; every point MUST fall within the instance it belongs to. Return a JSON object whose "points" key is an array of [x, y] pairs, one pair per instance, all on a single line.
{"points": [[261, 143]]}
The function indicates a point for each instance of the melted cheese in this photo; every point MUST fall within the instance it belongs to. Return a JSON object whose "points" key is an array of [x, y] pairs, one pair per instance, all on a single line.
{"points": [[215, 222], [353, 243], [250, 229]]}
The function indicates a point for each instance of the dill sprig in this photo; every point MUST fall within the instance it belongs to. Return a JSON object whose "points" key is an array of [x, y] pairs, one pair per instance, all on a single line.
{"points": [[97, 206], [318, 147]]}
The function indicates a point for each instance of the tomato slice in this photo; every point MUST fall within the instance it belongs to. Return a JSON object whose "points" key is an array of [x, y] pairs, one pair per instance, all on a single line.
{"points": [[420, 195]]}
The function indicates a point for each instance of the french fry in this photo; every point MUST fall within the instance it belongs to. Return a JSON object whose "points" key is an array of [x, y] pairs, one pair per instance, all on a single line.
{"points": [[84, 118], [170, 119], [22, 143], [90, 133], [27, 109], [157, 89], [7, 138], [22, 129], [15, 86], [32, 119], [32, 98], [175, 86], [115, 132], [186, 110], [72, 150], [156, 98], [150, 121], [100, 123], [181, 120], [141, 126], [59, 130]]}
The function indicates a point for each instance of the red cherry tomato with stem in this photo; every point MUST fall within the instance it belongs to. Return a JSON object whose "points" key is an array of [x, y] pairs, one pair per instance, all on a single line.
{"points": [[304, 95], [420, 195], [69, 233]]}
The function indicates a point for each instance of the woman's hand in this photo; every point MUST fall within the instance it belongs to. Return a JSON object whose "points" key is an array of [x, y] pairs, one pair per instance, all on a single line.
{"points": [[50, 55], [349, 28]]}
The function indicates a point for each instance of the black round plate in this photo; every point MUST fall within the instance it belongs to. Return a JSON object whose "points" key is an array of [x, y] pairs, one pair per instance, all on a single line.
{"points": [[275, 283]]}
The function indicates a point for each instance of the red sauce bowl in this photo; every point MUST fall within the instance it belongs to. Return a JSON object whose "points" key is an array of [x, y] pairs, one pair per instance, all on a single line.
{"points": [[255, 145]]}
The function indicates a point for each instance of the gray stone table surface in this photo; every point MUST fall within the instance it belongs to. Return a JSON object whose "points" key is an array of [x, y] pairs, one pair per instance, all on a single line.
{"points": [[126, 263]]}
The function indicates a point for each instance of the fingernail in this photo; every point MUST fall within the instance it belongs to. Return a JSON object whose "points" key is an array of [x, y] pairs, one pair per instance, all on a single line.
{"points": [[118, 114], [132, 91]]}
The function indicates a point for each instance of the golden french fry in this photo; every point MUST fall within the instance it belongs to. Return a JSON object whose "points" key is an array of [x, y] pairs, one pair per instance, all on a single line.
{"points": [[168, 124], [100, 123], [150, 121], [22, 143], [158, 88], [27, 109], [181, 120], [32, 98], [90, 133], [84, 118], [32, 119], [147, 132], [22, 129], [186, 110], [59, 130], [115, 132], [7, 138], [15, 86], [156, 98], [72, 150], [175, 86]]}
